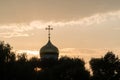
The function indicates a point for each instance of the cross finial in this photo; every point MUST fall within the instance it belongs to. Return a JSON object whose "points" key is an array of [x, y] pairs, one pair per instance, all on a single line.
{"points": [[49, 28]]}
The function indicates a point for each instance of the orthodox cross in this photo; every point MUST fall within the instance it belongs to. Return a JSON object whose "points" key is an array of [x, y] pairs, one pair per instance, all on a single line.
{"points": [[49, 28]]}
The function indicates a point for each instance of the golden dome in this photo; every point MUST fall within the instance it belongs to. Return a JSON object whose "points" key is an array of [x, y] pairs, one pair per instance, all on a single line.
{"points": [[49, 48], [49, 51]]}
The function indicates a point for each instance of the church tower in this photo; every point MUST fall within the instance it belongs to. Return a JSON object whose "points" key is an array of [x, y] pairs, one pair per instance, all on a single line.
{"points": [[49, 51]]}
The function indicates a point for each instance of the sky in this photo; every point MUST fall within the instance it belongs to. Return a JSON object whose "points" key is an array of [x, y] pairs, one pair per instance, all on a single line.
{"points": [[81, 28]]}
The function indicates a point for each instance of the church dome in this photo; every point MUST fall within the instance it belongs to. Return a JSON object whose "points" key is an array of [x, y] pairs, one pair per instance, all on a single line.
{"points": [[50, 49]]}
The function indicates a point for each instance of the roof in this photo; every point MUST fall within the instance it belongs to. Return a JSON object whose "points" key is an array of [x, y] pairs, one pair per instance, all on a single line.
{"points": [[49, 48]]}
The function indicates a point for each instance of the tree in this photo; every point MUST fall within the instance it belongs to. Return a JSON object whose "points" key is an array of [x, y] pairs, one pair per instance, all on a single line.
{"points": [[73, 69], [22, 57], [66, 69], [34, 62], [5, 53], [7, 59], [105, 68]]}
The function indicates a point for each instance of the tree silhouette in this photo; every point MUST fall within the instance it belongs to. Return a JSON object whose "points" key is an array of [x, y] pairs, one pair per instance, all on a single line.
{"points": [[14, 67], [34, 62], [66, 69], [22, 57], [7, 59], [5, 53], [106, 68]]}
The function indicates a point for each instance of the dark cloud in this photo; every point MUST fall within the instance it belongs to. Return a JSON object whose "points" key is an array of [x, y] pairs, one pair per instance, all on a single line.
{"points": [[27, 10]]}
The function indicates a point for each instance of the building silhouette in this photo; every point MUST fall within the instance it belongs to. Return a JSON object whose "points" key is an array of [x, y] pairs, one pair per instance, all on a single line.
{"points": [[49, 51]]}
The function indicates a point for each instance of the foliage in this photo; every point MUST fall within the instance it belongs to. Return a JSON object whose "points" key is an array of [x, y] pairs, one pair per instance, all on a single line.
{"points": [[14, 67], [106, 68], [5, 53], [66, 69]]}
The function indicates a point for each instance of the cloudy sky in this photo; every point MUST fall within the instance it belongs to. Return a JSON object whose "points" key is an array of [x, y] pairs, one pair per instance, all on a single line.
{"points": [[81, 27]]}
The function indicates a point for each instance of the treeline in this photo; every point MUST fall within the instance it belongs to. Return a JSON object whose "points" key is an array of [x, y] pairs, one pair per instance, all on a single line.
{"points": [[14, 67]]}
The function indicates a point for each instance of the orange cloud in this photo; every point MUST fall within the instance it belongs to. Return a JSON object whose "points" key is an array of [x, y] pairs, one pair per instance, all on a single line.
{"points": [[17, 30]]}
